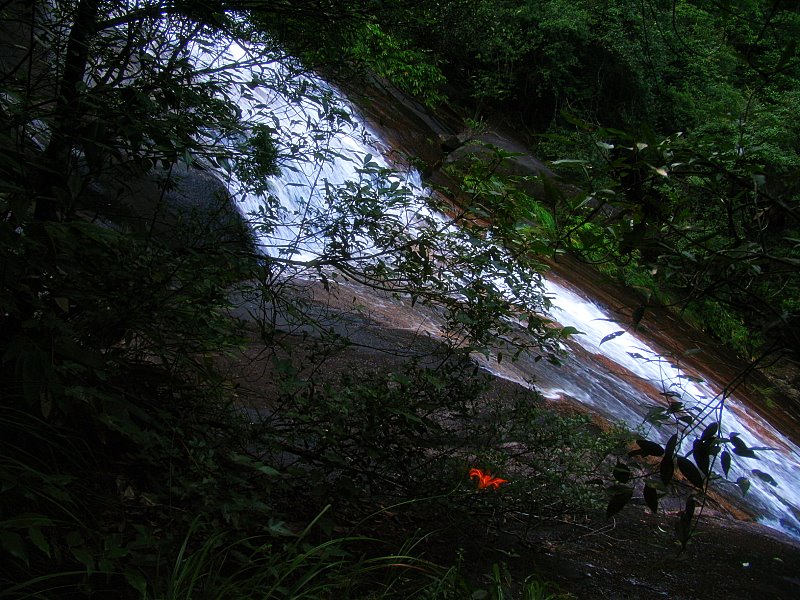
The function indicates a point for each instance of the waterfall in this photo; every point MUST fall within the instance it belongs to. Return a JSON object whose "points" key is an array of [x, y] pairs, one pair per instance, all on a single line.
{"points": [[778, 503], [301, 230]]}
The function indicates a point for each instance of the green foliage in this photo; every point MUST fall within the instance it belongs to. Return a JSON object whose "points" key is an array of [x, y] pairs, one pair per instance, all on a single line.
{"points": [[131, 462], [415, 432], [412, 70], [504, 201], [259, 159], [725, 325], [704, 221]]}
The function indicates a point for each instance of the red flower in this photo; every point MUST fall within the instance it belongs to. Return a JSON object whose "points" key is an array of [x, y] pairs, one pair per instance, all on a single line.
{"points": [[485, 480]]}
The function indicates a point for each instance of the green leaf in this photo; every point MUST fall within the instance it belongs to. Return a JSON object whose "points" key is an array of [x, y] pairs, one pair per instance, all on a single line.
{"points": [[568, 161], [37, 537], [690, 472], [569, 330], [84, 556], [787, 54], [744, 484], [574, 120], [137, 581], [656, 416], [13, 543], [618, 501]]}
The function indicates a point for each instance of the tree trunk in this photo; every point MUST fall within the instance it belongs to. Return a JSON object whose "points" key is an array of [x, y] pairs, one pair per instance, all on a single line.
{"points": [[55, 166]]}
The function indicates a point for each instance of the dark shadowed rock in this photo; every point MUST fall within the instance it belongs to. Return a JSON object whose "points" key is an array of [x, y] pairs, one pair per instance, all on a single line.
{"points": [[183, 205]]}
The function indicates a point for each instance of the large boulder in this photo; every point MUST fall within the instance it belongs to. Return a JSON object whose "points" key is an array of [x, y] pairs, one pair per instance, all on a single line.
{"points": [[183, 205]]}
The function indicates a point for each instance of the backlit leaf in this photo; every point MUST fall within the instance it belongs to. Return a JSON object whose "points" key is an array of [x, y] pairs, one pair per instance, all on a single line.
{"points": [[611, 336], [726, 462], [765, 477], [637, 315], [661, 171], [667, 467], [651, 498], [700, 450], [690, 471], [683, 528], [740, 448], [710, 431], [647, 448]]}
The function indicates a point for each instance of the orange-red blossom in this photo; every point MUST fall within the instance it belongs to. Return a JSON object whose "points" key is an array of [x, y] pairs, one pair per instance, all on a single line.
{"points": [[485, 480]]}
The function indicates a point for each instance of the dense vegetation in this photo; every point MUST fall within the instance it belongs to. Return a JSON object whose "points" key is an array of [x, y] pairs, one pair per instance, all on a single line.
{"points": [[132, 460], [678, 119]]}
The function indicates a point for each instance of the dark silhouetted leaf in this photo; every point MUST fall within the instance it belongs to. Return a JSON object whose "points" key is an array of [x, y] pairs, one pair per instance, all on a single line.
{"points": [[651, 498], [637, 315], [647, 448], [690, 471], [740, 448], [765, 477], [690, 506], [657, 415], [672, 442], [700, 450], [611, 336], [683, 528], [726, 462], [682, 531], [710, 431], [744, 484], [667, 467], [618, 501], [622, 472]]}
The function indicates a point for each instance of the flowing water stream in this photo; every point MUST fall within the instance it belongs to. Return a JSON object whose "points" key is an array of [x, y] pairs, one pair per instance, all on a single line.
{"points": [[611, 369]]}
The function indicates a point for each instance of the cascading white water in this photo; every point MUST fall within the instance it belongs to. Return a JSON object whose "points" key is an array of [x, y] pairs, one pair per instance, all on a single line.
{"points": [[779, 503], [327, 148], [303, 193]]}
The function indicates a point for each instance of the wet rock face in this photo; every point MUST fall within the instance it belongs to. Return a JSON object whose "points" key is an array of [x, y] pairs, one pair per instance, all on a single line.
{"points": [[435, 140]]}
